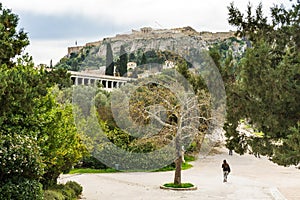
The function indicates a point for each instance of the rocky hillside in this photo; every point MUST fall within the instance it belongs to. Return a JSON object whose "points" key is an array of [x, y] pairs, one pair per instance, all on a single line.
{"points": [[146, 38], [138, 42]]}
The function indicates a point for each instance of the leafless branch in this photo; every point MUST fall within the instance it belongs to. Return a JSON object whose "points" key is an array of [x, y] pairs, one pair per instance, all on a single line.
{"points": [[158, 119]]}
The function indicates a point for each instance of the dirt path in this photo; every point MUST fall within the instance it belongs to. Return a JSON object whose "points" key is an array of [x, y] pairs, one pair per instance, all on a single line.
{"points": [[251, 178]]}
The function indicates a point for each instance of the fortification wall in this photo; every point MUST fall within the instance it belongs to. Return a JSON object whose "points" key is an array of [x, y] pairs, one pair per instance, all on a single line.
{"points": [[97, 43], [216, 36], [74, 49], [149, 33]]}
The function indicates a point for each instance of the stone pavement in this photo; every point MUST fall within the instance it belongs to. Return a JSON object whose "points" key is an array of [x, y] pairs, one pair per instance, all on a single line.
{"points": [[251, 178]]}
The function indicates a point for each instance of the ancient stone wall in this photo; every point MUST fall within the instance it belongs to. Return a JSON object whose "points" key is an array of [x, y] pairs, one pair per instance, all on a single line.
{"points": [[74, 49], [147, 33], [97, 43]]}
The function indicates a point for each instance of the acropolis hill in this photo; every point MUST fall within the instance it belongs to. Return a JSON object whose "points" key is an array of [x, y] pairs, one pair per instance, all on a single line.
{"points": [[147, 34]]}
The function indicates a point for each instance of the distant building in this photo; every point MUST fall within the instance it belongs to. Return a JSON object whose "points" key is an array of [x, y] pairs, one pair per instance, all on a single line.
{"points": [[168, 64], [146, 29], [131, 66]]}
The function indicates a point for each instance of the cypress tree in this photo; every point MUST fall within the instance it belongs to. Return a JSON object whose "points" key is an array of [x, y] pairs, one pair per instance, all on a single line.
{"points": [[123, 59], [109, 70], [144, 59], [132, 57]]}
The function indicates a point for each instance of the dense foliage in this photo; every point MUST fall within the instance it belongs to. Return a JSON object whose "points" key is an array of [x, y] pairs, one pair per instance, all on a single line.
{"points": [[263, 87], [69, 191], [12, 41], [38, 139], [90, 58]]}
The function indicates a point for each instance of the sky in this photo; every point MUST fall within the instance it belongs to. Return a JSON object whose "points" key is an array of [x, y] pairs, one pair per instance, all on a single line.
{"points": [[53, 25]]}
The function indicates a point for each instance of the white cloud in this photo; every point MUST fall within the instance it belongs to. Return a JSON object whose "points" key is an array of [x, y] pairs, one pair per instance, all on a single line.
{"points": [[43, 51], [128, 14], [169, 13]]}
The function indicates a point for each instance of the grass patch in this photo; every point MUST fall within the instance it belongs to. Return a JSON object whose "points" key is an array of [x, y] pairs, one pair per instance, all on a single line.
{"points": [[91, 171], [182, 185], [189, 158]]}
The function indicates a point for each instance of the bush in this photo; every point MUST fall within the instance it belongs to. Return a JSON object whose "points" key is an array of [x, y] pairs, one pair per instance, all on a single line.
{"points": [[21, 167], [21, 189], [145, 147], [53, 195], [19, 158], [70, 191], [91, 162], [75, 186]]}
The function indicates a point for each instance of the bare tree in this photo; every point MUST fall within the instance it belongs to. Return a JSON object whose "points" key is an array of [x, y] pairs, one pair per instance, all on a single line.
{"points": [[171, 107]]}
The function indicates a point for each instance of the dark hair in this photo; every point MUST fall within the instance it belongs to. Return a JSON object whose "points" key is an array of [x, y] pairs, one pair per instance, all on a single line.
{"points": [[224, 161]]}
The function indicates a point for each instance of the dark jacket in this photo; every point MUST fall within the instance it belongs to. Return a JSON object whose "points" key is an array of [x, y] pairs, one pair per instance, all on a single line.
{"points": [[226, 167]]}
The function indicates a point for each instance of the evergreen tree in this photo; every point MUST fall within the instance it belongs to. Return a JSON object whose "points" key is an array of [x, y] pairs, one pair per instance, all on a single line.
{"points": [[264, 88], [143, 59], [109, 70], [12, 41], [132, 57], [25, 115], [123, 59]]}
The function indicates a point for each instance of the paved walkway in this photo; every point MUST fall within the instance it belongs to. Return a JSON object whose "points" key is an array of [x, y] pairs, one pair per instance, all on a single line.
{"points": [[251, 178]]}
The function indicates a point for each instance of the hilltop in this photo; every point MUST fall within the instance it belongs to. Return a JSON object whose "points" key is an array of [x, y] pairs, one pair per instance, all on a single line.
{"points": [[148, 33], [148, 45]]}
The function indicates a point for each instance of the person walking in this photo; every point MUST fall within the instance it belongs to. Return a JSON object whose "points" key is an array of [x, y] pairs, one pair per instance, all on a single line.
{"points": [[226, 170]]}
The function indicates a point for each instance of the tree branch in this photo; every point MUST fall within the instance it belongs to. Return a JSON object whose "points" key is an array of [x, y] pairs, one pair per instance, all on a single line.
{"points": [[159, 120]]}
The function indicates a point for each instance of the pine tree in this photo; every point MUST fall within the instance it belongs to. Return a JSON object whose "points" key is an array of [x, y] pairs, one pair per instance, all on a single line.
{"points": [[12, 41], [265, 88]]}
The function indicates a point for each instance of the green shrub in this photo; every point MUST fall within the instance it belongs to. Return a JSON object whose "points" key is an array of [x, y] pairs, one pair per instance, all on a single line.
{"points": [[75, 186], [53, 195], [142, 147], [21, 189], [21, 167], [19, 158], [70, 191]]}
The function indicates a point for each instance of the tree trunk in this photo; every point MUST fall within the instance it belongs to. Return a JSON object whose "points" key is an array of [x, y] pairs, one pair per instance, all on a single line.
{"points": [[178, 163]]}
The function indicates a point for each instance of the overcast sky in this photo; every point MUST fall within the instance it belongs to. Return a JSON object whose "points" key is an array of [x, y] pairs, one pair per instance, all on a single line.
{"points": [[53, 25]]}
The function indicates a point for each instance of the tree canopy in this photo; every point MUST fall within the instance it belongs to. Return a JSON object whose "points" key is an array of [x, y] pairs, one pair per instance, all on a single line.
{"points": [[263, 87], [38, 138], [12, 42]]}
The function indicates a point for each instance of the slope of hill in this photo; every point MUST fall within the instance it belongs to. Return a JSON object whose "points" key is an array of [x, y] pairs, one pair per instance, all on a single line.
{"points": [[146, 45]]}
